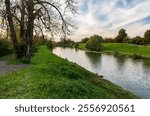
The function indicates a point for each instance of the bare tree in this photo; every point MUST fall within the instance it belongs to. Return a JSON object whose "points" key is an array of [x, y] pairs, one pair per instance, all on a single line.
{"points": [[46, 15]]}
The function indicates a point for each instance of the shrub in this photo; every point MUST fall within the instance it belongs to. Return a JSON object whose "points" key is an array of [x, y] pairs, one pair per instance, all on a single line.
{"points": [[84, 40], [5, 47], [109, 40], [76, 45], [66, 43], [137, 40], [94, 43], [50, 44]]}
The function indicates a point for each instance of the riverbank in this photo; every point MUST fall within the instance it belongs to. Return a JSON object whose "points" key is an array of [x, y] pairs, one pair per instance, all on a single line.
{"points": [[135, 51], [52, 77]]}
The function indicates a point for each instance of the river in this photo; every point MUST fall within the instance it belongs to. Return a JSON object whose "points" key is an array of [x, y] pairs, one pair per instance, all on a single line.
{"points": [[132, 75]]}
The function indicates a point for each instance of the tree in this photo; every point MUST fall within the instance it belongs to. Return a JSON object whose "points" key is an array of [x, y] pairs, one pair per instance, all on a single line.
{"points": [[147, 37], [94, 43], [121, 35], [126, 39], [32, 15], [84, 40], [12, 28], [137, 40], [66, 42]]}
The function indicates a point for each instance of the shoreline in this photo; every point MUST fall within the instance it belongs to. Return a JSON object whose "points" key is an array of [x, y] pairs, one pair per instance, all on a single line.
{"points": [[49, 73], [117, 53]]}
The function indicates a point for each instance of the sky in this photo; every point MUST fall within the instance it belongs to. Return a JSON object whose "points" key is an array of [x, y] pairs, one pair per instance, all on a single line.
{"points": [[106, 17]]}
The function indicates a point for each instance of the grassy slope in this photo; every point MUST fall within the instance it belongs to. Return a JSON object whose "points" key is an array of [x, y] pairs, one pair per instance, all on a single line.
{"points": [[53, 77], [125, 49]]}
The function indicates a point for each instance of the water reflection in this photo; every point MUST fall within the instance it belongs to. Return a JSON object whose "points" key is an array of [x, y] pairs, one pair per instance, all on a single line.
{"points": [[95, 59], [133, 75], [120, 62]]}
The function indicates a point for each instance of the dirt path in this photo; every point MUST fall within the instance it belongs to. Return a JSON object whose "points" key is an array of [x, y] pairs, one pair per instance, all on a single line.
{"points": [[6, 68]]}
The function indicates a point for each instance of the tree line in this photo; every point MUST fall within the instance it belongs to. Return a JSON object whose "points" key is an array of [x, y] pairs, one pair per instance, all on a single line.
{"points": [[94, 41]]}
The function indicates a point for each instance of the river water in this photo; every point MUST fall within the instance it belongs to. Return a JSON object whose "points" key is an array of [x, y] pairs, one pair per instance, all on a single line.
{"points": [[132, 75]]}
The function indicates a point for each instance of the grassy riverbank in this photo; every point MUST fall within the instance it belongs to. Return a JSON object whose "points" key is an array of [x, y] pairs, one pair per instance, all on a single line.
{"points": [[52, 77], [127, 49]]}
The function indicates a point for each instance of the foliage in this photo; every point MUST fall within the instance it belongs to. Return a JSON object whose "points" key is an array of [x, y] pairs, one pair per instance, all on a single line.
{"points": [[5, 47], [84, 40], [147, 37], [94, 43], [50, 44], [76, 45], [109, 40], [66, 43], [126, 39], [36, 17], [137, 40], [52, 77], [121, 36]]}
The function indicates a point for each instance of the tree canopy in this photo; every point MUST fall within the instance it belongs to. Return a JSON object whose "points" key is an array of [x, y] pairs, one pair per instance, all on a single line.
{"points": [[121, 35], [36, 16], [94, 43], [147, 37]]}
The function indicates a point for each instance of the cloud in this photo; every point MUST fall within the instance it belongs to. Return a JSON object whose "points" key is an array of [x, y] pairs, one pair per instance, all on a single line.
{"points": [[106, 17]]}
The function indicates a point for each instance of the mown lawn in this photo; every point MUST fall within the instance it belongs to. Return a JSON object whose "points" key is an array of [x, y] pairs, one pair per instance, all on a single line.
{"points": [[124, 48], [52, 77]]}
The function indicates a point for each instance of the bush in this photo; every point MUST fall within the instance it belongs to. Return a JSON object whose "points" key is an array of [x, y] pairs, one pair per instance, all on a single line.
{"points": [[84, 40], [137, 40], [5, 47], [126, 39], [50, 44], [147, 37], [94, 43], [109, 40], [76, 45], [66, 43]]}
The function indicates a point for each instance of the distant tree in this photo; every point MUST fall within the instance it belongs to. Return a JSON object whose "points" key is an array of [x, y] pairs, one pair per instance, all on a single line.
{"points": [[137, 40], [126, 39], [76, 45], [84, 40], [94, 43], [109, 40], [66, 43], [147, 37], [121, 36]]}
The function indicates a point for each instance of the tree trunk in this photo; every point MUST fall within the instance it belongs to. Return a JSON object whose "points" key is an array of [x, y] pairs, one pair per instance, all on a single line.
{"points": [[29, 31], [12, 29], [22, 26]]}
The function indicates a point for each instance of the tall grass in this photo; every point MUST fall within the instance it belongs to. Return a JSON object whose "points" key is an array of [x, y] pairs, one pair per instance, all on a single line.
{"points": [[53, 77]]}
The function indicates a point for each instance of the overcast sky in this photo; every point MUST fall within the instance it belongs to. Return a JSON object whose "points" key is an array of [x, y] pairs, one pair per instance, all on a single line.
{"points": [[106, 17]]}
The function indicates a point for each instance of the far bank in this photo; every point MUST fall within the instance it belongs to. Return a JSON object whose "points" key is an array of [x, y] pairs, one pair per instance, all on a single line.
{"points": [[120, 49]]}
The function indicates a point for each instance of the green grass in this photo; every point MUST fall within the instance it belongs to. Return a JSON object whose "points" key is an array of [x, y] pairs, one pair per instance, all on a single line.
{"points": [[52, 77], [127, 49]]}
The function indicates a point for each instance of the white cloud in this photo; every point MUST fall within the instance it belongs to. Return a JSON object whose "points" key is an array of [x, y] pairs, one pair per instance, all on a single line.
{"points": [[104, 17]]}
